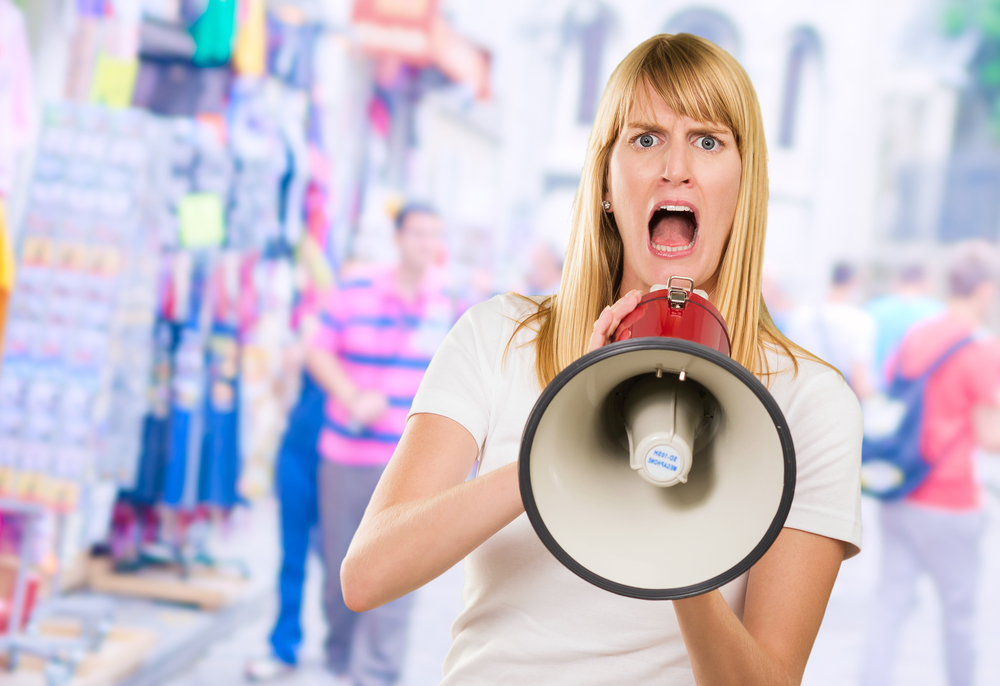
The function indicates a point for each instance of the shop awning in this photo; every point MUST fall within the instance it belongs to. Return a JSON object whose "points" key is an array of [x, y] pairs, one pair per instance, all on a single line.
{"points": [[414, 31]]}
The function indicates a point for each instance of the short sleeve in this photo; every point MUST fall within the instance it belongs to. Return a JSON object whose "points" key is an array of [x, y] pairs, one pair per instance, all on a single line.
{"points": [[825, 421], [985, 374], [459, 381]]}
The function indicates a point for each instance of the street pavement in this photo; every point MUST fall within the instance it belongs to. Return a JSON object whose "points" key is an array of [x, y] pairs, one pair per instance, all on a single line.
{"points": [[834, 660]]}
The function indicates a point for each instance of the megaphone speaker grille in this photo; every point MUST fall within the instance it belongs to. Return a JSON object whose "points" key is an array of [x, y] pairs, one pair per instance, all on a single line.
{"points": [[632, 537]]}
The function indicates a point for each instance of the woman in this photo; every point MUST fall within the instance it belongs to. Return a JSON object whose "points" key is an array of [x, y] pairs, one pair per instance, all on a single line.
{"points": [[675, 183]]}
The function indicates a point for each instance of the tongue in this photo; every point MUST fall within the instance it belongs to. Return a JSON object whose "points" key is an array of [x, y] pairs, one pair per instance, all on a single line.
{"points": [[672, 231]]}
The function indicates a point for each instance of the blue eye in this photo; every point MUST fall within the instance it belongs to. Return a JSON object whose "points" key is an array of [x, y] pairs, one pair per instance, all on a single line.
{"points": [[646, 140], [707, 143]]}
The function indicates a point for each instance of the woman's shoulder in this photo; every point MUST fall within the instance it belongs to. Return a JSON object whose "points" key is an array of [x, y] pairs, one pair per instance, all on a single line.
{"points": [[503, 311], [802, 384], [824, 418]]}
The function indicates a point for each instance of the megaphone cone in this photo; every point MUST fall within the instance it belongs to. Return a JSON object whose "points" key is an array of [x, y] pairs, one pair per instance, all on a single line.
{"points": [[657, 467]]}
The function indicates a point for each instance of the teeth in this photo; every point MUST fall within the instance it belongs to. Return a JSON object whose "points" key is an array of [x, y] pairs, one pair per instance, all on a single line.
{"points": [[676, 208], [679, 248]]}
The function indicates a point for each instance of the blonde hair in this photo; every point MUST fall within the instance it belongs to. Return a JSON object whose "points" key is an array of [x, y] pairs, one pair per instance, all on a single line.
{"points": [[700, 80]]}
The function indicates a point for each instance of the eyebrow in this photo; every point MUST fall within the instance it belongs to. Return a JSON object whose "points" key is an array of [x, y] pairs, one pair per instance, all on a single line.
{"points": [[702, 128]]}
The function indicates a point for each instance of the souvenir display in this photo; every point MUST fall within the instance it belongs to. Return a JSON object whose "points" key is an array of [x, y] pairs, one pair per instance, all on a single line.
{"points": [[154, 265]]}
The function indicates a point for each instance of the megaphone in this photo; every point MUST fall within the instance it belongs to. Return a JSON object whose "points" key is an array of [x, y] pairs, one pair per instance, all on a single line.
{"points": [[657, 467]]}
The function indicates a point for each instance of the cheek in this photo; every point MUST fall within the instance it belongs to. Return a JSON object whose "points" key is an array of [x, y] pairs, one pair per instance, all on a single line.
{"points": [[627, 194], [727, 189], [625, 180]]}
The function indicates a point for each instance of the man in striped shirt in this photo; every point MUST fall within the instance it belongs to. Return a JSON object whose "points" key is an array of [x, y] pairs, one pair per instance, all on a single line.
{"points": [[377, 335]]}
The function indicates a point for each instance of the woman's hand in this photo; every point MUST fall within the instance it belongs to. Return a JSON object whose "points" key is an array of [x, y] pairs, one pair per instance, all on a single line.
{"points": [[604, 327], [786, 597]]}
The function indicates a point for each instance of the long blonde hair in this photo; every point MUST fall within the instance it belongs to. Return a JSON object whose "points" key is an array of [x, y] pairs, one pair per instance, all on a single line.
{"points": [[700, 80]]}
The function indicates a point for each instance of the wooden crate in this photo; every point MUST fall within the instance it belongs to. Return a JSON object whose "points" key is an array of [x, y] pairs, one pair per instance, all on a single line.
{"points": [[204, 588], [123, 652]]}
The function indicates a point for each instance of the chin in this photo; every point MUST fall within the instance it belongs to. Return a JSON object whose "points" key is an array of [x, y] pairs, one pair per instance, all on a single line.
{"points": [[662, 271]]}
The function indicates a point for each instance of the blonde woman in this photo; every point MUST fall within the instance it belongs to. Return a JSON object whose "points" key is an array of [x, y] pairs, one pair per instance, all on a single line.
{"points": [[678, 127]]}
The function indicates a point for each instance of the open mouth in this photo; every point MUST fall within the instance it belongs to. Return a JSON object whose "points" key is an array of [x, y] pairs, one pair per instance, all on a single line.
{"points": [[673, 228]]}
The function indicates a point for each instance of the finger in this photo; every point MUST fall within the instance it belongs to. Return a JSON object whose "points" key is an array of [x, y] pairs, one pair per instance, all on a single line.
{"points": [[601, 327], [621, 309]]}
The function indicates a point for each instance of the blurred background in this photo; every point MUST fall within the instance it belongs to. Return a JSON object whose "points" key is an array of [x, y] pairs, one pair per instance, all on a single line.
{"points": [[178, 176]]}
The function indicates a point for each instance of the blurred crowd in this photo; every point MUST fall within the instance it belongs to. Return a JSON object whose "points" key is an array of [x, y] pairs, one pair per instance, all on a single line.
{"points": [[924, 346]]}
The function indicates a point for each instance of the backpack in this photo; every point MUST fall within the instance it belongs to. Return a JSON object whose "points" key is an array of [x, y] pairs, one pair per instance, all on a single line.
{"points": [[891, 463]]}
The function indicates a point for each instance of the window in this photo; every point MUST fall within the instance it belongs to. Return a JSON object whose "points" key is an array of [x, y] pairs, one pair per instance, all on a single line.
{"points": [[588, 25], [804, 52]]}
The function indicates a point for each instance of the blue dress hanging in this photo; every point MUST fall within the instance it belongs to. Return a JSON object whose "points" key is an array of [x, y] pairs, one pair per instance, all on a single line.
{"points": [[220, 454], [187, 403], [156, 427]]}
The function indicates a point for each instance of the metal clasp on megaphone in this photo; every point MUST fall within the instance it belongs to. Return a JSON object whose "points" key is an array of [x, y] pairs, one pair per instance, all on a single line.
{"points": [[677, 296]]}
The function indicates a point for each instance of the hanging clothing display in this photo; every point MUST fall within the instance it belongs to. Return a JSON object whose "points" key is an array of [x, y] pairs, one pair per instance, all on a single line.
{"points": [[82, 52], [73, 347], [91, 8], [250, 49], [220, 458], [187, 399], [16, 111], [293, 112], [220, 455], [228, 179], [164, 40], [148, 487], [7, 268], [259, 165], [291, 51], [114, 81], [213, 33], [177, 89]]}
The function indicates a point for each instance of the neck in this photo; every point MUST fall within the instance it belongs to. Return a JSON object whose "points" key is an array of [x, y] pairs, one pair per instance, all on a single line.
{"points": [[839, 294], [631, 282], [408, 278], [966, 310]]}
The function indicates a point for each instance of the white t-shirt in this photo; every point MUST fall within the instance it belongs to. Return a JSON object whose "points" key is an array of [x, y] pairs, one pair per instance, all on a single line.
{"points": [[527, 618]]}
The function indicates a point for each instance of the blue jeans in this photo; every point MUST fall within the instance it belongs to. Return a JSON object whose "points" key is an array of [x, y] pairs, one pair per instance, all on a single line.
{"points": [[296, 485]]}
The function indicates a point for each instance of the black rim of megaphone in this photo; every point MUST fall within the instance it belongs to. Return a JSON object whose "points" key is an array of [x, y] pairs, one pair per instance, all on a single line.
{"points": [[690, 348]]}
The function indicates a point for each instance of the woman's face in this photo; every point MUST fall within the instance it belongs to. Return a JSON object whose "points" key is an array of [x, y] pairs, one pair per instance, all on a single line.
{"points": [[673, 184]]}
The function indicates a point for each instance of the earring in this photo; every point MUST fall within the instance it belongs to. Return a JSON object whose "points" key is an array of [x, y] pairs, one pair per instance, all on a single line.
{"points": [[607, 206]]}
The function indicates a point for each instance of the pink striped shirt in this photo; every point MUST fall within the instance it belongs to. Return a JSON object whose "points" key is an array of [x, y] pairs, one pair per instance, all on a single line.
{"points": [[384, 342]]}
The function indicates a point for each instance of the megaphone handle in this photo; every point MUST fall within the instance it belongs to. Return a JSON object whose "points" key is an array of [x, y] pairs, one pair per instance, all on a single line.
{"points": [[671, 286]]}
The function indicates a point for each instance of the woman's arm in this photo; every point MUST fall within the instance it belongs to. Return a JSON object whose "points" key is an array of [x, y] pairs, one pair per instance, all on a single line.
{"points": [[424, 517], [787, 593]]}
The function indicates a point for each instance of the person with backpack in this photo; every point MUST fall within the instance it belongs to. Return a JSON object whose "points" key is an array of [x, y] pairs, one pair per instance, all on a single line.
{"points": [[936, 526]]}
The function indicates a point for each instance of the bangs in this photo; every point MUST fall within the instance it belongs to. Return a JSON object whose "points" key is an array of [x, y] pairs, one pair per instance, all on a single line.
{"points": [[693, 79]]}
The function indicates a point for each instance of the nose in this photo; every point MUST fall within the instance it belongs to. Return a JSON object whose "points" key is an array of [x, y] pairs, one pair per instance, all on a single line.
{"points": [[676, 166]]}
